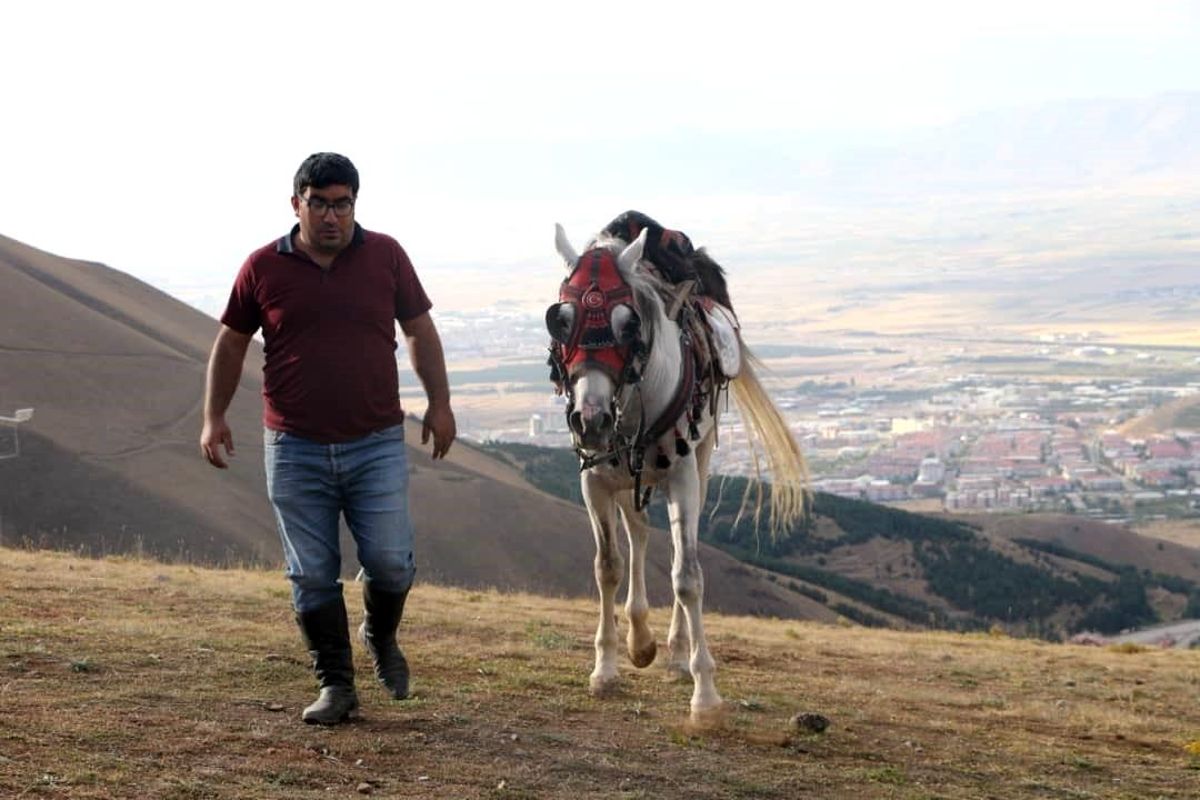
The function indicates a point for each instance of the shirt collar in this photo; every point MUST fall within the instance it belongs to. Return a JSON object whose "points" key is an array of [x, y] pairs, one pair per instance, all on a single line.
{"points": [[285, 245]]}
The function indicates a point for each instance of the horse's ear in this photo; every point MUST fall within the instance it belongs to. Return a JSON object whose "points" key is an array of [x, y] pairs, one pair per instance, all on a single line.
{"points": [[564, 246], [631, 255]]}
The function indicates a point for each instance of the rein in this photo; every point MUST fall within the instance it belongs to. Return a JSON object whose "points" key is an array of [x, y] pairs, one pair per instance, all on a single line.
{"points": [[676, 409]]}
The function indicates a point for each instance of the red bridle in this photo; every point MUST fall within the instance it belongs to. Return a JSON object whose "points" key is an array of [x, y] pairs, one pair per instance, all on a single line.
{"points": [[594, 289], [587, 300]]}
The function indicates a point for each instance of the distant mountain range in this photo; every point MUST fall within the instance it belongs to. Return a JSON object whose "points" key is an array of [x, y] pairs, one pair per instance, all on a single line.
{"points": [[1064, 144], [1057, 145]]}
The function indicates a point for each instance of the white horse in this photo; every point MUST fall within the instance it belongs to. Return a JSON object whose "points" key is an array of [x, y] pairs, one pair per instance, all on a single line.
{"points": [[642, 408]]}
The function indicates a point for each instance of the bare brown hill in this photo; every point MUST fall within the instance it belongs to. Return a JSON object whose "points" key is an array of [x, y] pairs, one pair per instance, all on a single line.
{"points": [[1113, 544], [1026, 554], [109, 464], [1183, 413]]}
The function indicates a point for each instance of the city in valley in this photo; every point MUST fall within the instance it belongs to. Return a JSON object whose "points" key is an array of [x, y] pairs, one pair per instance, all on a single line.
{"points": [[1056, 422]]}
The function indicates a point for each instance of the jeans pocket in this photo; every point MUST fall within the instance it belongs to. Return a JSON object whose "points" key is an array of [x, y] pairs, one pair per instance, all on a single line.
{"points": [[273, 437]]}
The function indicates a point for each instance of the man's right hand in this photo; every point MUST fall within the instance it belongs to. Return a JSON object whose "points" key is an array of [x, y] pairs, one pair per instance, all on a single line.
{"points": [[224, 370], [213, 437]]}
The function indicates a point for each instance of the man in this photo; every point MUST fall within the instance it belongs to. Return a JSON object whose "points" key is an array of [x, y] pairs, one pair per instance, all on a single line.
{"points": [[327, 297]]}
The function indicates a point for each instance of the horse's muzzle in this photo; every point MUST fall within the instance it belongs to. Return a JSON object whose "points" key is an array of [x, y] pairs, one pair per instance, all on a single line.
{"points": [[592, 427]]}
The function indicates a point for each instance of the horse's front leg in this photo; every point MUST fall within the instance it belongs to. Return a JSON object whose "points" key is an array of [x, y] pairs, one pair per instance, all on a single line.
{"points": [[602, 510], [679, 649], [683, 507], [678, 642], [640, 640]]}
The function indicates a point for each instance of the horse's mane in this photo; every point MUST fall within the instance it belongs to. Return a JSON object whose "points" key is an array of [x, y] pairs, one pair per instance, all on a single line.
{"points": [[712, 277]]}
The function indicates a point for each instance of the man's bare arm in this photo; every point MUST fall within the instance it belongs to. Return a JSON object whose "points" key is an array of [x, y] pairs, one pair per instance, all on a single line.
{"points": [[429, 362], [224, 372]]}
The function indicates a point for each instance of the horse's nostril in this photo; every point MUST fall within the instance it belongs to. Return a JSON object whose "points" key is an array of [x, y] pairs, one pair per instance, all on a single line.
{"points": [[597, 424], [575, 422]]}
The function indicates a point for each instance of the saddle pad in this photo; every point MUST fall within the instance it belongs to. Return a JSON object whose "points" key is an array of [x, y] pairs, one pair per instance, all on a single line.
{"points": [[724, 328]]}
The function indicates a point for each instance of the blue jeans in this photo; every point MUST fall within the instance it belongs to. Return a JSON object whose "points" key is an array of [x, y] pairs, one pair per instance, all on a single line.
{"points": [[311, 484]]}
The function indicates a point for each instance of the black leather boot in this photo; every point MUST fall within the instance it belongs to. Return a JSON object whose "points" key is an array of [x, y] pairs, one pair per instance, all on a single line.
{"points": [[378, 633], [326, 634]]}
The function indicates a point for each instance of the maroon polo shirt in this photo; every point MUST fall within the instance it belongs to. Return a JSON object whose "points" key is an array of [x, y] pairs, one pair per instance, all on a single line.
{"points": [[330, 335]]}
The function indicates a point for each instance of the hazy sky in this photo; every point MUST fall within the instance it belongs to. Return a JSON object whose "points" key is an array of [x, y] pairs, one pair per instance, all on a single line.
{"points": [[162, 141]]}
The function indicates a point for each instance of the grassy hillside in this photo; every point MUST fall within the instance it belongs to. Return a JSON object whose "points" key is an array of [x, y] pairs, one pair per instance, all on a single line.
{"points": [[109, 464], [130, 679], [886, 567]]}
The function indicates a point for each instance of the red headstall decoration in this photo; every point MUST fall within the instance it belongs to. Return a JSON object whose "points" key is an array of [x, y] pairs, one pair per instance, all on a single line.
{"points": [[595, 288]]}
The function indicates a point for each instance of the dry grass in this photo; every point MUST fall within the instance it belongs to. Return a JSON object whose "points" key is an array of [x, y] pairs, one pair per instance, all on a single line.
{"points": [[123, 678], [1180, 531]]}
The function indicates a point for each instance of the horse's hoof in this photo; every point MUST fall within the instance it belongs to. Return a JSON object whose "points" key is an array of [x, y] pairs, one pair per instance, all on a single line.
{"points": [[709, 718], [605, 686], [645, 656], [677, 673]]}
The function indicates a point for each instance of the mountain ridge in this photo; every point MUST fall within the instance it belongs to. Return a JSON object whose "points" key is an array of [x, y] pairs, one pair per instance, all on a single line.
{"points": [[1042, 575]]}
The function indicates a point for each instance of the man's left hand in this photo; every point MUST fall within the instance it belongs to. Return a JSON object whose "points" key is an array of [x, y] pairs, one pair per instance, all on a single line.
{"points": [[439, 421]]}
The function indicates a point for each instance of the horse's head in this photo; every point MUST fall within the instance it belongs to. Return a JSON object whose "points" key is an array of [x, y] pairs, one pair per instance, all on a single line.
{"points": [[598, 339]]}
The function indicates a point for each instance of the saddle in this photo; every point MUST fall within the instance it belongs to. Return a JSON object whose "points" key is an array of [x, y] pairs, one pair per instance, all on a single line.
{"points": [[713, 328], [722, 328]]}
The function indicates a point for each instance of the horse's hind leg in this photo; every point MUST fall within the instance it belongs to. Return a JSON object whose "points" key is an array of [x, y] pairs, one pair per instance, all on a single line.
{"points": [[640, 639], [602, 510]]}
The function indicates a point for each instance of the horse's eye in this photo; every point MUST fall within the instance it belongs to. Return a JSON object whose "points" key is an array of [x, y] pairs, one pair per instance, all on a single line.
{"points": [[626, 325], [560, 322]]}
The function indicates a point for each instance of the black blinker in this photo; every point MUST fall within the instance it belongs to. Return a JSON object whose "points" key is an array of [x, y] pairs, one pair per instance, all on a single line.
{"points": [[631, 329], [556, 374], [556, 324]]}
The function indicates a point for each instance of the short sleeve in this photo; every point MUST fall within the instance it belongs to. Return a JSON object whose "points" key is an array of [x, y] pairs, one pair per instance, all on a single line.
{"points": [[242, 312], [411, 300]]}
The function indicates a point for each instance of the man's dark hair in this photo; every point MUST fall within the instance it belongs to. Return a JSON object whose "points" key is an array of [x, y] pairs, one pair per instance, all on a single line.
{"points": [[325, 169]]}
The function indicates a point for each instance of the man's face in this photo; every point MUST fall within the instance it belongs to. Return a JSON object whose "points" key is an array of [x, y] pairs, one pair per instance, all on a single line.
{"points": [[326, 217]]}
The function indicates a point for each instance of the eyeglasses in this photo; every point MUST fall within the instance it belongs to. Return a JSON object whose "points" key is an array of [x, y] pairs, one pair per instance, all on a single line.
{"points": [[342, 207]]}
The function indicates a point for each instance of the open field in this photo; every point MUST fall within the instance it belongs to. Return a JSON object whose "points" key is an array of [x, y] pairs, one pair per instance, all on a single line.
{"points": [[126, 678]]}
